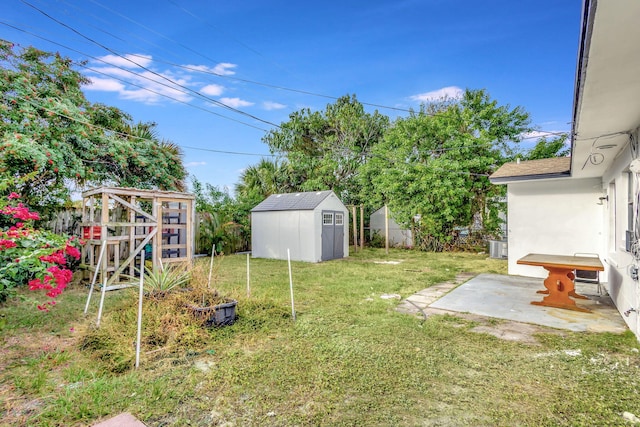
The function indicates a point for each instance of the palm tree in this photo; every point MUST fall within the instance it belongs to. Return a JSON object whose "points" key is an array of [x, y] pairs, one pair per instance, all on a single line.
{"points": [[263, 179]]}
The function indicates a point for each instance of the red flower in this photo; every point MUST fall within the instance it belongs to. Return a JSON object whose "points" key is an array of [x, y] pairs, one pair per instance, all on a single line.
{"points": [[54, 258], [72, 251], [6, 244], [62, 276], [20, 212], [56, 277]]}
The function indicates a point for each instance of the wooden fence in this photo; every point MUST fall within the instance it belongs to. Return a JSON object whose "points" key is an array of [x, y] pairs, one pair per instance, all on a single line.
{"points": [[65, 222]]}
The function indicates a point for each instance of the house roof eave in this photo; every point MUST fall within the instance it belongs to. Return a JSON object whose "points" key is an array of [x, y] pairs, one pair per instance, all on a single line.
{"points": [[586, 30], [521, 178]]}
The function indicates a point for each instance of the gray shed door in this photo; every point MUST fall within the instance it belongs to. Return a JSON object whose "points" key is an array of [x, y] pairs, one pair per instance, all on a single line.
{"points": [[332, 235]]}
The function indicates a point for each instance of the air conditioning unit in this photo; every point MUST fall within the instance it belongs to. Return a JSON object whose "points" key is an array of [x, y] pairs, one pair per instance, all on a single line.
{"points": [[498, 249]]}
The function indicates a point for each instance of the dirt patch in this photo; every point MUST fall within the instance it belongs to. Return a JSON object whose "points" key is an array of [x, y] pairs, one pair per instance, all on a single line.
{"points": [[17, 408], [25, 344], [504, 329]]}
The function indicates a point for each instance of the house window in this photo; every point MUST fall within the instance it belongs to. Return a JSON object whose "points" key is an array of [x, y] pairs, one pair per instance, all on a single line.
{"points": [[327, 219], [339, 219]]}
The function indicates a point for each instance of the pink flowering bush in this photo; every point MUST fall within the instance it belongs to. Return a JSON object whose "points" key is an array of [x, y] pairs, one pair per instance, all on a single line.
{"points": [[28, 256]]}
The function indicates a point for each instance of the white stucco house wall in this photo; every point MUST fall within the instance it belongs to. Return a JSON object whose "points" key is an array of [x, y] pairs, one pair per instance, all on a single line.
{"points": [[312, 225], [588, 203], [398, 236]]}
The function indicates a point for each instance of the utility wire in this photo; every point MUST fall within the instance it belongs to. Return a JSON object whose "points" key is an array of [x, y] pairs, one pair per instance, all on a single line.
{"points": [[171, 98], [124, 134], [546, 133], [272, 86], [304, 92], [133, 73], [108, 24], [199, 70], [221, 104], [283, 88], [153, 31], [208, 24]]}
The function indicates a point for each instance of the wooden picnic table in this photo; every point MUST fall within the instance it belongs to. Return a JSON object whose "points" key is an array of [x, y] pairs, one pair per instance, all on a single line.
{"points": [[559, 284]]}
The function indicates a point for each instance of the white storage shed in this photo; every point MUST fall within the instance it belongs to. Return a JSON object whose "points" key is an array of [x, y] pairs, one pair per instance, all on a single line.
{"points": [[312, 225], [398, 236]]}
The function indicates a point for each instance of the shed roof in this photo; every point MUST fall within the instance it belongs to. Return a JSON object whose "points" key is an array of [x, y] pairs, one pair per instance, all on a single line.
{"points": [[555, 167], [292, 201]]}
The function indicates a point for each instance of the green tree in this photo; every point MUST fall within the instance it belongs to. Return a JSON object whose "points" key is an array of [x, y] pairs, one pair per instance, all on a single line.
{"points": [[259, 181], [434, 166], [547, 148], [53, 138], [325, 149], [224, 222]]}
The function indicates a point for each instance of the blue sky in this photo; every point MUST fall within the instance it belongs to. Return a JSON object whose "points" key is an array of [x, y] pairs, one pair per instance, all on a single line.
{"points": [[249, 54]]}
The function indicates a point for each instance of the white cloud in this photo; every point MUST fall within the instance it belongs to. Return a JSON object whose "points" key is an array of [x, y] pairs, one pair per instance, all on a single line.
{"points": [[235, 102], [197, 67], [224, 69], [537, 134], [212, 90], [145, 86], [154, 85], [192, 164], [270, 105], [127, 60], [105, 85], [450, 92]]}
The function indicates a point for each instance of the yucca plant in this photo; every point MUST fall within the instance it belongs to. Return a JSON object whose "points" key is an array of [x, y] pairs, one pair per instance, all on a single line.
{"points": [[162, 280]]}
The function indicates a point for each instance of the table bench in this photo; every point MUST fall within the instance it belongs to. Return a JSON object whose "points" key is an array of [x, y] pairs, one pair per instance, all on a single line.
{"points": [[559, 284]]}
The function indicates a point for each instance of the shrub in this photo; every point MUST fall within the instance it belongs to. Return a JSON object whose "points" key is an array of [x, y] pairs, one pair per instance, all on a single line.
{"points": [[39, 258]]}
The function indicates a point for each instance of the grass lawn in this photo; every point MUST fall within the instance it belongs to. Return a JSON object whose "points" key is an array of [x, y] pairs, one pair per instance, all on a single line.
{"points": [[348, 359]]}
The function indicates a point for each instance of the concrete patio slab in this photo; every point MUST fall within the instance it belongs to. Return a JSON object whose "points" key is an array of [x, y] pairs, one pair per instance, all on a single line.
{"points": [[510, 297]]}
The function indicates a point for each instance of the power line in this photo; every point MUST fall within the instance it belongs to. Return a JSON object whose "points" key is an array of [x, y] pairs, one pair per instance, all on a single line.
{"points": [[229, 152], [193, 69], [216, 102], [196, 16], [172, 98], [152, 31], [304, 92], [127, 135], [301, 91], [109, 24], [135, 74], [272, 86], [546, 133]]}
